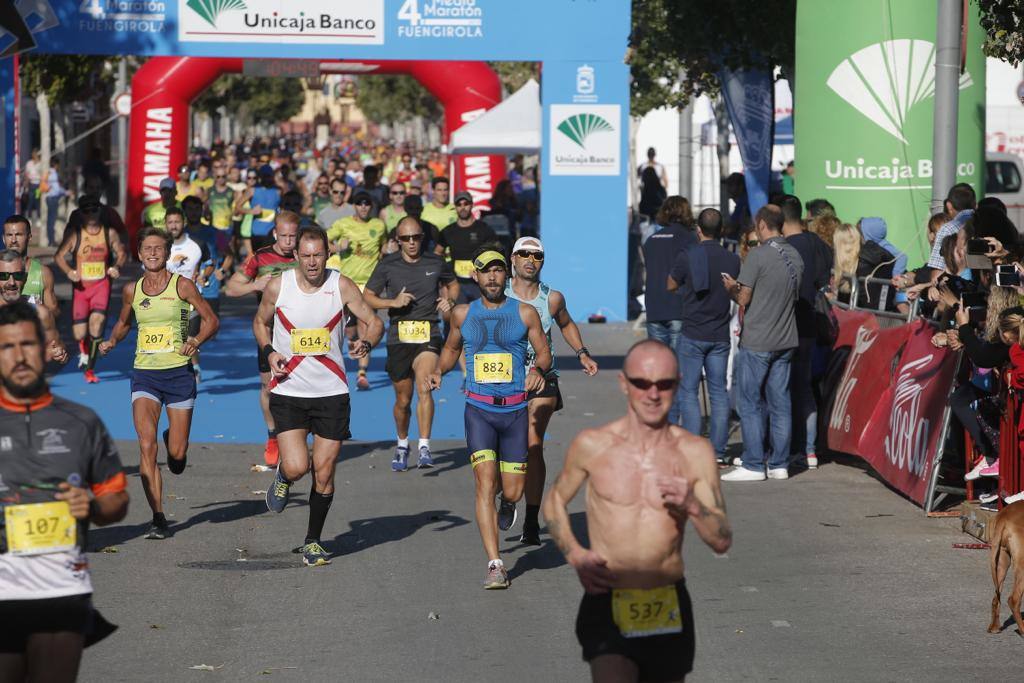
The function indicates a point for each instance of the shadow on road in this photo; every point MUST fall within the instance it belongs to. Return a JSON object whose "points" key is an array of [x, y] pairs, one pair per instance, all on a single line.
{"points": [[547, 556], [368, 533]]}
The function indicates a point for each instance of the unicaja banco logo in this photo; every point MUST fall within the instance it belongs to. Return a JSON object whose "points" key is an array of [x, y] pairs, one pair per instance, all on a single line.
{"points": [[886, 80], [581, 126], [209, 10]]}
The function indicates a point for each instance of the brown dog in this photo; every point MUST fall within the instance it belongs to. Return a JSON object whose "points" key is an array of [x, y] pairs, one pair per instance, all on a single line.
{"points": [[1007, 540]]}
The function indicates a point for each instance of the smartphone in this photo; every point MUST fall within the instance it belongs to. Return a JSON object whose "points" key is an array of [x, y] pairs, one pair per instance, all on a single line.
{"points": [[977, 247], [974, 299], [1007, 276]]}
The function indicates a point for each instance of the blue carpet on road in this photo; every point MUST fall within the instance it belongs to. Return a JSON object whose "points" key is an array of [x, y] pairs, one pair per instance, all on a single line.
{"points": [[227, 408]]}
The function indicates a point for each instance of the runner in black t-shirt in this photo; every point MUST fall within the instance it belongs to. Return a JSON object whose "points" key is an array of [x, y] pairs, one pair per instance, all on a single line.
{"points": [[463, 239], [420, 286]]}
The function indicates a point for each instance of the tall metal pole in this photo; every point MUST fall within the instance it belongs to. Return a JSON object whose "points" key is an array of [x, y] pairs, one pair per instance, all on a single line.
{"points": [[122, 143], [686, 151], [947, 95]]}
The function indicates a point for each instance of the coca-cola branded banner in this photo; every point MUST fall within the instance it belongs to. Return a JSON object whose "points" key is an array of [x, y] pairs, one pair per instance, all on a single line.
{"points": [[890, 402]]}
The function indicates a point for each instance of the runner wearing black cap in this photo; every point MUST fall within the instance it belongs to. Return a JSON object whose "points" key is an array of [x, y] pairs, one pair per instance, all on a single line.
{"points": [[419, 286], [496, 331], [358, 242], [462, 239], [525, 285]]}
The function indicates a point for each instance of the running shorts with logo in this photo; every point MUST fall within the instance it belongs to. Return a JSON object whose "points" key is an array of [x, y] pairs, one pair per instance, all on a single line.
{"points": [[550, 390], [661, 657], [402, 356], [89, 297], [160, 373], [500, 437], [173, 387]]}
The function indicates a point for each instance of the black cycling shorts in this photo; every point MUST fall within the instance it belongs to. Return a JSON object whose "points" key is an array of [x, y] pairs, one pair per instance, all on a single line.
{"points": [[20, 619], [325, 416], [666, 657], [550, 390], [401, 357]]}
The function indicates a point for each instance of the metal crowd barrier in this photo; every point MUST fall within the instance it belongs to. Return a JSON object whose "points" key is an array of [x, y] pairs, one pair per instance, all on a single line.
{"points": [[885, 317]]}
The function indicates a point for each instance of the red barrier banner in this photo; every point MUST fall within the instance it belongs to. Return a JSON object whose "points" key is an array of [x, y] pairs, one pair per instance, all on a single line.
{"points": [[890, 400]]}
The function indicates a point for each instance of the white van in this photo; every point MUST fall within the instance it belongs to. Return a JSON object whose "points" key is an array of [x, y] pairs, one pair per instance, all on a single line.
{"points": [[1003, 173]]}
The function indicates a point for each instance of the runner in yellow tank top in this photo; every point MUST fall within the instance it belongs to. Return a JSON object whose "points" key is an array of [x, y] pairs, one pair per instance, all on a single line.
{"points": [[163, 374]]}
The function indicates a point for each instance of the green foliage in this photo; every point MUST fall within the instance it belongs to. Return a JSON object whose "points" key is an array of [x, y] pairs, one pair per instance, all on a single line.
{"points": [[268, 100], [65, 78], [514, 75], [1003, 22], [394, 99], [699, 38]]}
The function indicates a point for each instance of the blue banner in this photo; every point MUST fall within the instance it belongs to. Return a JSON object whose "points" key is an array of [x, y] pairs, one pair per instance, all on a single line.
{"points": [[749, 97], [7, 136]]}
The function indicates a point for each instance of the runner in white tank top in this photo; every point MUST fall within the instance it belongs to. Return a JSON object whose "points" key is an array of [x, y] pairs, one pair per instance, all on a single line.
{"points": [[299, 328]]}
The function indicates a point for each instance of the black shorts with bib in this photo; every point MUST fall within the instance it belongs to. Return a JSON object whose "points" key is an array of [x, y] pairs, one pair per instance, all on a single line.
{"points": [[324, 416]]}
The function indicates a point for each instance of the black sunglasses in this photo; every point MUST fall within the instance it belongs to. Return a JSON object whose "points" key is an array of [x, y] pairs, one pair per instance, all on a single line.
{"points": [[337, 191], [399, 192], [250, 177], [19, 276], [364, 202], [532, 255], [645, 384], [411, 238]]}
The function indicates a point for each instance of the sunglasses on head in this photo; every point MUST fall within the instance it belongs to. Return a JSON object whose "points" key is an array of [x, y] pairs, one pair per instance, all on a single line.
{"points": [[416, 237], [19, 276], [532, 255], [645, 384]]}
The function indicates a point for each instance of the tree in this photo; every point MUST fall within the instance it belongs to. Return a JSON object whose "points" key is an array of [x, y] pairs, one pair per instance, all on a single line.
{"points": [[1003, 22], [253, 99], [395, 99], [698, 38]]}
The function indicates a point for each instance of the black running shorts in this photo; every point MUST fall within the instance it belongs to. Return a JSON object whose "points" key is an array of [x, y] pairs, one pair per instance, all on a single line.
{"points": [[550, 390], [20, 619], [326, 416], [401, 357], [666, 657]]}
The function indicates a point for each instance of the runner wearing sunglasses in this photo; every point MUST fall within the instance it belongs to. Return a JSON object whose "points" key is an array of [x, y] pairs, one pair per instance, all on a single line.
{"points": [[463, 239], [526, 286], [420, 286], [395, 211], [358, 242], [645, 478], [12, 290], [496, 331]]}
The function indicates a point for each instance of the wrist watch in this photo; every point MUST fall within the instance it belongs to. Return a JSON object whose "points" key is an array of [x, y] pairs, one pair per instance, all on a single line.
{"points": [[582, 350]]}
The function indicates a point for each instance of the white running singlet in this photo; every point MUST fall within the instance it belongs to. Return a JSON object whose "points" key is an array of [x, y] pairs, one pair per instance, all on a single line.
{"points": [[308, 332]]}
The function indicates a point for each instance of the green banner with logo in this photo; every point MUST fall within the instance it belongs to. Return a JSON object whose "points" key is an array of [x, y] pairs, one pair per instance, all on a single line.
{"points": [[865, 96]]}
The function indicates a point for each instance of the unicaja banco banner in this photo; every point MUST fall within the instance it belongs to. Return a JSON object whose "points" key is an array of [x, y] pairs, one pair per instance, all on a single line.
{"points": [[864, 111]]}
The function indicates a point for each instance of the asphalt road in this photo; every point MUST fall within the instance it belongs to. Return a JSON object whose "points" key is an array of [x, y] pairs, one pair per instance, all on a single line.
{"points": [[831, 576]]}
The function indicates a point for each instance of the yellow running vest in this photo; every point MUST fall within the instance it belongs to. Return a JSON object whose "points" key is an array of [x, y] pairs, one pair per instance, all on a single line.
{"points": [[163, 327]]}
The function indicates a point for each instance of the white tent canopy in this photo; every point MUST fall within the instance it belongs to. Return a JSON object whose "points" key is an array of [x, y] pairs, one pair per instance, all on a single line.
{"points": [[511, 127]]}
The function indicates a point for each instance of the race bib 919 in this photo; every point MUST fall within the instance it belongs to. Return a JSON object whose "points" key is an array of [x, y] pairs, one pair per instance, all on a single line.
{"points": [[94, 270]]}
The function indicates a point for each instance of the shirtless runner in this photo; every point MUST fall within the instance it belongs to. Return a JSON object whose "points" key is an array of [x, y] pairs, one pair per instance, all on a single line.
{"points": [[645, 478]]}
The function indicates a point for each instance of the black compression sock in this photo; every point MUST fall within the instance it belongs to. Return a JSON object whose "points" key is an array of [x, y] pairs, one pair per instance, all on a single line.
{"points": [[94, 350], [319, 504], [532, 512], [159, 519]]}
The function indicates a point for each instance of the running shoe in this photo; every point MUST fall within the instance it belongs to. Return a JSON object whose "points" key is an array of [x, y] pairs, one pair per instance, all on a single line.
{"points": [[1015, 498], [270, 452], [277, 494], [157, 532], [812, 461], [362, 383], [990, 471], [507, 514], [425, 459], [174, 465], [314, 555], [90, 377], [83, 360], [976, 471], [497, 577], [742, 474], [401, 461], [531, 534]]}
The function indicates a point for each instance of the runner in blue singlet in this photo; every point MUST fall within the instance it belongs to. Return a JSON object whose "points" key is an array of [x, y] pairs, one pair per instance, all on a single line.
{"points": [[495, 330]]}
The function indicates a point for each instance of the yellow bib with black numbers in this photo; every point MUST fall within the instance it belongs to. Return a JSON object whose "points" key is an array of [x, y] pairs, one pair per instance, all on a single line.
{"points": [[639, 612], [492, 368], [94, 270], [413, 331], [156, 339], [40, 528], [311, 341], [463, 269]]}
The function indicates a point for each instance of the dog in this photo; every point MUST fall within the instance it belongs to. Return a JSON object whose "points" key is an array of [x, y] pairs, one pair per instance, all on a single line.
{"points": [[1007, 541]]}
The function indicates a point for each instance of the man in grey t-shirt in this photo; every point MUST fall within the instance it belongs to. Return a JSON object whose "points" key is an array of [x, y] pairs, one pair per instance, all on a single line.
{"points": [[339, 207], [768, 287]]}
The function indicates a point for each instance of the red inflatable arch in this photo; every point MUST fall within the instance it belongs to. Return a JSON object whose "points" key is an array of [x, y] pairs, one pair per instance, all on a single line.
{"points": [[164, 87]]}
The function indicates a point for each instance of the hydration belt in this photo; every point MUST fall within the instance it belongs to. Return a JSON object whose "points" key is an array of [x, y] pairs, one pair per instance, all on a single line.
{"points": [[512, 400]]}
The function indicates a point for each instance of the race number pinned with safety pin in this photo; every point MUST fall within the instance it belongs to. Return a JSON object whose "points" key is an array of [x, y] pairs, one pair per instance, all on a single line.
{"points": [[156, 339], [492, 368], [639, 613], [413, 331], [40, 528], [310, 341], [94, 270]]}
